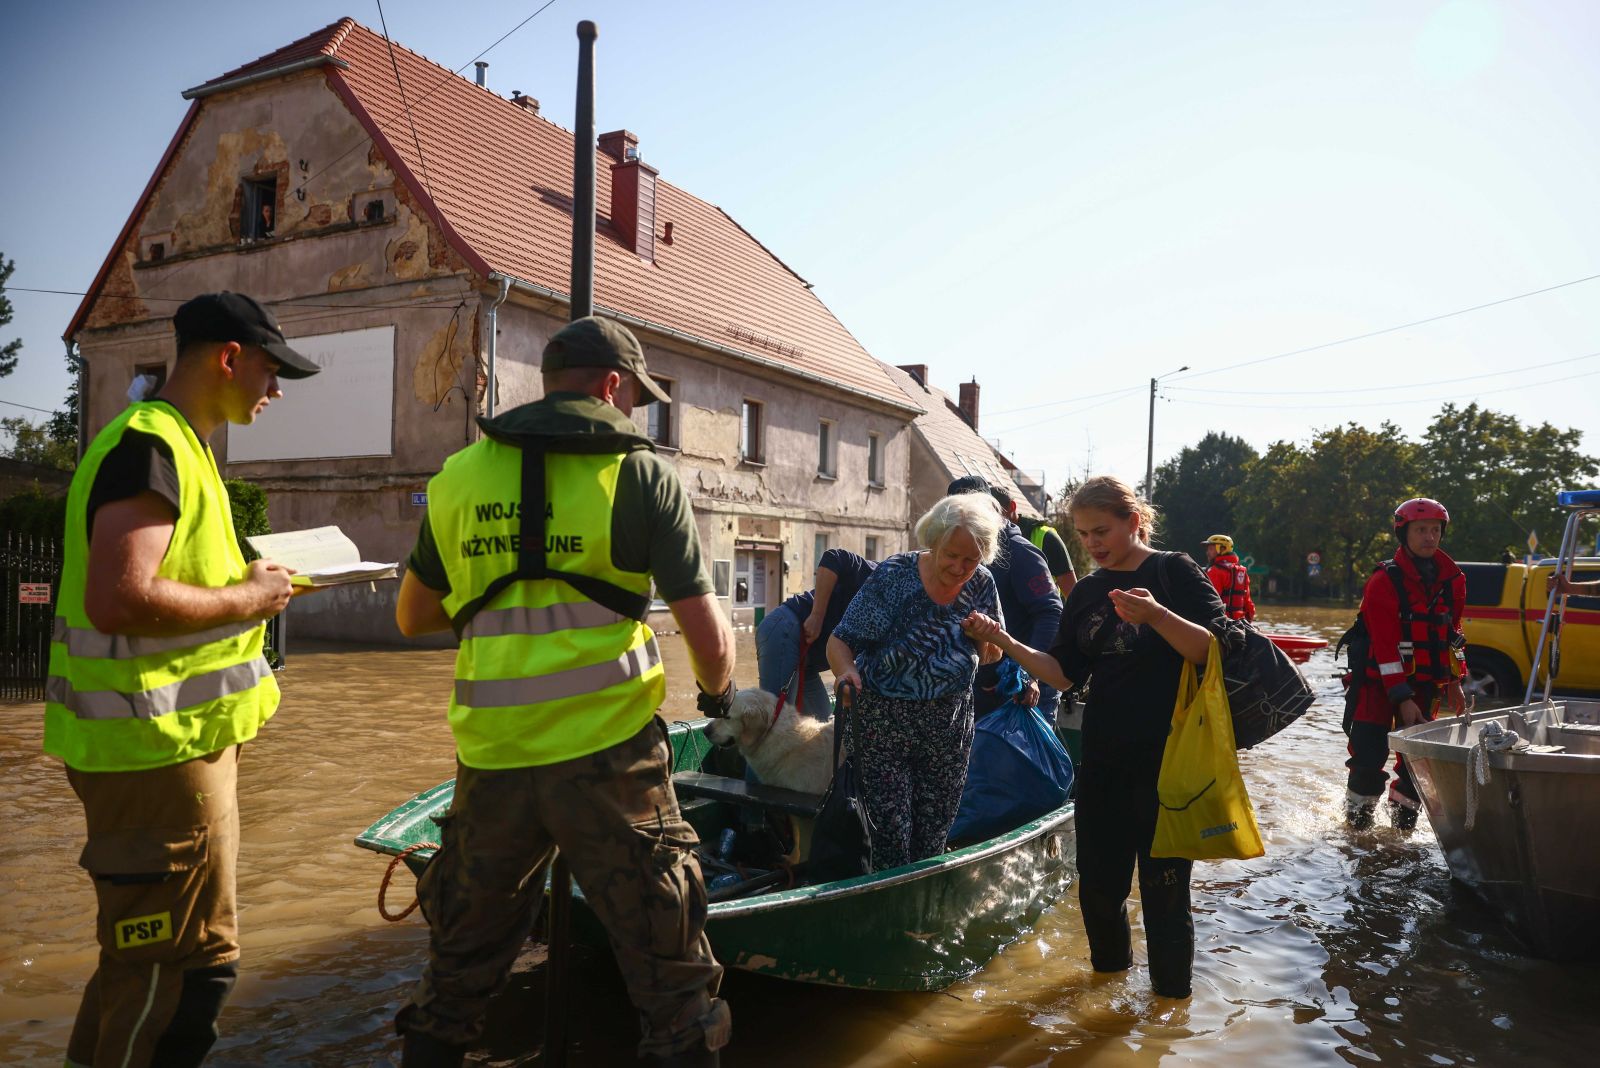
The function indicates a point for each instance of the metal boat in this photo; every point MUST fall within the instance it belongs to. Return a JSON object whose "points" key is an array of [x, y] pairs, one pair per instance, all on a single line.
{"points": [[1509, 791]]}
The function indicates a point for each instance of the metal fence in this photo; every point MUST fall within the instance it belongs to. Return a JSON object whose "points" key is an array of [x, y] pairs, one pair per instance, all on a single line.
{"points": [[30, 568]]}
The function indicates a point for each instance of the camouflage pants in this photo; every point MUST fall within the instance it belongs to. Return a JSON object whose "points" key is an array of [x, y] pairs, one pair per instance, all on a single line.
{"points": [[615, 818]]}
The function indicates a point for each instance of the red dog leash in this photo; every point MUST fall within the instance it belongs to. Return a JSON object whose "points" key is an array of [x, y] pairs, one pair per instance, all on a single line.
{"points": [[797, 680]]}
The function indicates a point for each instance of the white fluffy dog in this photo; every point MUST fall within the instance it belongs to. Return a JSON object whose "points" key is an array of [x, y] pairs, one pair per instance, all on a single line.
{"points": [[794, 752]]}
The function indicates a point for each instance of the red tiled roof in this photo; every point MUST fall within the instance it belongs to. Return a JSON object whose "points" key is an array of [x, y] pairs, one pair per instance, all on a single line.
{"points": [[324, 42], [959, 447], [500, 179]]}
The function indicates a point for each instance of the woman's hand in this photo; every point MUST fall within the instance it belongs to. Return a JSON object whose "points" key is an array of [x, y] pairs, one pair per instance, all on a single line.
{"points": [[846, 686], [982, 628], [1029, 695], [1138, 606]]}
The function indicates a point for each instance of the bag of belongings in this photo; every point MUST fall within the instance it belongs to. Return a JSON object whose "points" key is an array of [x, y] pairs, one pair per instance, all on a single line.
{"points": [[1018, 770], [1204, 813]]}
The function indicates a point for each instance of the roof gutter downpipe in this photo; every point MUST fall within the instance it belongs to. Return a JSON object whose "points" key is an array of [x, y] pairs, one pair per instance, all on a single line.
{"points": [[491, 388]]}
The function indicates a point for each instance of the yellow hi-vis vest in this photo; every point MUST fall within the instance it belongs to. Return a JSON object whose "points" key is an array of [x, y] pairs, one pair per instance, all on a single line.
{"points": [[116, 702], [544, 672], [1036, 535]]}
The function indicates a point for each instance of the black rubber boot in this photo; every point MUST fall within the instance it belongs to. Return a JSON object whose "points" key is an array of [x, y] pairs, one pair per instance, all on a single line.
{"points": [[1402, 817], [424, 1051], [1359, 810], [193, 1027]]}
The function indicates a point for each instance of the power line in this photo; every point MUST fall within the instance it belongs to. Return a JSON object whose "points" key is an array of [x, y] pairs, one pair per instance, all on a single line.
{"points": [[1387, 404], [395, 63], [384, 126], [1068, 400], [1378, 389], [1391, 329], [1118, 395], [30, 407]]}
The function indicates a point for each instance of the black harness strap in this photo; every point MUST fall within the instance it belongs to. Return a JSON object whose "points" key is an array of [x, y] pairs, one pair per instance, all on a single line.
{"points": [[531, 555], [1438, 623]]}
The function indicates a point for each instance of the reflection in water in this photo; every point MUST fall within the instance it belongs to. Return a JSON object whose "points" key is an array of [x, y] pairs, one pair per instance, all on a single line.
{"points": [[1334, 948]]}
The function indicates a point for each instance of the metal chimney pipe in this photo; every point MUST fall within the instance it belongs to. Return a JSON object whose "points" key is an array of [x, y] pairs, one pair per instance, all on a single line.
{"points": [[482, 65], [583, 177]]}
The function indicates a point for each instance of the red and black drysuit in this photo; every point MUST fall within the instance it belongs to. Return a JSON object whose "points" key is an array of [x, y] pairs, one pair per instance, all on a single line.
{"points": [[1412, 612], [1232, 581]]}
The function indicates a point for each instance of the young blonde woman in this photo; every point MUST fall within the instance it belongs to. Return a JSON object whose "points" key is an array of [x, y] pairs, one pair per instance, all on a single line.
{"points": [[1127, 628], [901, 645]]}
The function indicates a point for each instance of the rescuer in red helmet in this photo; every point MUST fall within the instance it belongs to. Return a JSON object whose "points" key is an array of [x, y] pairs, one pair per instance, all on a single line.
{"points": [[1415, 662], [1230, 578]]}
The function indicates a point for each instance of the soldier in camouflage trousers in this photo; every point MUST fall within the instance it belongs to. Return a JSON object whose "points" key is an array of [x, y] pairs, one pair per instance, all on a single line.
{"points": [[558, 680], [481, 891]]}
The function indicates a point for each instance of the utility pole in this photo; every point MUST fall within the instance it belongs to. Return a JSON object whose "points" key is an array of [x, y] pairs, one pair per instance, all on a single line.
{"points": [[1150, 443]]}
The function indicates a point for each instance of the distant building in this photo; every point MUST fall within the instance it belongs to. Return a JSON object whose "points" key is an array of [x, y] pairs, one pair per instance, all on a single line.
{"points": [[946, 443], [423, 258]]}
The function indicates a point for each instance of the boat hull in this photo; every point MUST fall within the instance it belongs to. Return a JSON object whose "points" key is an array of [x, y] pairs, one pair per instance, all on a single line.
{"points": [[920, 927], [1520, 855]]}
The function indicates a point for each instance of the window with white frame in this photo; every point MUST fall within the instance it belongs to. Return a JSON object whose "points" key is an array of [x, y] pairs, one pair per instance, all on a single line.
{"points": [[871, 551], [827, 451], [752, 432], [874, 459]]}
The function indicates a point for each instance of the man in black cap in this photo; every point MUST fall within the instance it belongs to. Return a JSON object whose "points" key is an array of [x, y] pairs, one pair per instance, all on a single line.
{"points": [[157, 679], [539, 550], [1028, 596]]}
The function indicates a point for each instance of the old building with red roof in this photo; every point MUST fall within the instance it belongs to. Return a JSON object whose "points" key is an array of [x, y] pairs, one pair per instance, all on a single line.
{"points": [[410, 229]]}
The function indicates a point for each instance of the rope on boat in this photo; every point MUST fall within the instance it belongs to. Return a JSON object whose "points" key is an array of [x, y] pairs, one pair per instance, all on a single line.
{"points": [[383, 887], [1492, 738]]}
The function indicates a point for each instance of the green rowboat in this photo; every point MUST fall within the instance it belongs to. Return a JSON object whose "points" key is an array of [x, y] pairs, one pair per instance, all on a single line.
{"points": [[923, 926]]}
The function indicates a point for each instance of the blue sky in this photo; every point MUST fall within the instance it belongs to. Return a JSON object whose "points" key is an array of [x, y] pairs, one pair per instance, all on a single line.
{"points": [[1060, 199]]}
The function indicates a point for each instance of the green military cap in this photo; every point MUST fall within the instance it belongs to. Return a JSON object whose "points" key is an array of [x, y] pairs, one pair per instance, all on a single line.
{"points": [[595, 342]]}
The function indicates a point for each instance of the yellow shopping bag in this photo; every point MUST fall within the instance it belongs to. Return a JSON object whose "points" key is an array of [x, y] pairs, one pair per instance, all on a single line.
{"points": [[1205, 813]]}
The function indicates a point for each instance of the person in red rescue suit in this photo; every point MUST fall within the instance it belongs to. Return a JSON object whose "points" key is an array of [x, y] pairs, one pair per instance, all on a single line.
{"points": [[1228, 575], [1416, 660]]}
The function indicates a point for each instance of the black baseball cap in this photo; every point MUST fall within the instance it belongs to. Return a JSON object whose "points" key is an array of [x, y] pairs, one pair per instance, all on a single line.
{"points": [[235, 317], [595, 342], [979, 484]]}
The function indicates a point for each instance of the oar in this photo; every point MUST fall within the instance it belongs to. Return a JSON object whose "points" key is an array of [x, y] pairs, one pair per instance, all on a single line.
{"points": [[555, 1001]]}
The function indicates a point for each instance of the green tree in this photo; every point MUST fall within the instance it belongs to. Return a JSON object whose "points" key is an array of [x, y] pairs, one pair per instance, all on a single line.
{"points": [[1350, 483], [1499, 477], [1192, 491], [249, 504], [1267, 505], [36, 445], [1082, 563], [8, 352]]}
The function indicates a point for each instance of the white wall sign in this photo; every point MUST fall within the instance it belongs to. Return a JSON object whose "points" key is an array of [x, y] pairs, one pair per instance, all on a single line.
{"points": [[346, 410]]}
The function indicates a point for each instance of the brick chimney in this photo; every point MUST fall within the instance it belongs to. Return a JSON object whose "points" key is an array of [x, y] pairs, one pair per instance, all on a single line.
{"points": [[633, 194], [526, 103], [919, 371], [620, 145], [969, 403]]}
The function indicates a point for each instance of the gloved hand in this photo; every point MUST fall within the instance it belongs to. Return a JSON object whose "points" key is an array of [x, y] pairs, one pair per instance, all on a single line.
{"points": [[715, 705]]}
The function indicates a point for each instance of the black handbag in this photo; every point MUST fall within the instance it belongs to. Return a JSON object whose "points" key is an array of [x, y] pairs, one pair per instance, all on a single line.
{"points": [[1266, 691], [841, 843]]}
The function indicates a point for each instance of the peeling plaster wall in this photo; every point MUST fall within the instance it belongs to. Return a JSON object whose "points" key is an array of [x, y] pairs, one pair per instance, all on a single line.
{"points": [[325, 270]]}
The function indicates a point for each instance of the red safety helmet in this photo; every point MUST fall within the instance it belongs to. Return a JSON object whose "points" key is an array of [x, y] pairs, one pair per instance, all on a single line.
{"points": [[1419, 508]]}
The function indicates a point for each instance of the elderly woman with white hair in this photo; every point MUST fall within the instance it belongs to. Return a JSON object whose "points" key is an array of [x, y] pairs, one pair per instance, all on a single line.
{"points": [[902, 646]]}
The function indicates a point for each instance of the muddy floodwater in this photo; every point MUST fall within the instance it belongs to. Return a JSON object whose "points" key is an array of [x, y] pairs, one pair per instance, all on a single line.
{"points": [[1334, 948]]}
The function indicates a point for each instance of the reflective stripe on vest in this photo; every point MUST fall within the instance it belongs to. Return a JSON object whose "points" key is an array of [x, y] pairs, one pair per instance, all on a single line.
{"points": [[543, 674], [116, 702], [161, 701], [91, 644], [558, 685]]}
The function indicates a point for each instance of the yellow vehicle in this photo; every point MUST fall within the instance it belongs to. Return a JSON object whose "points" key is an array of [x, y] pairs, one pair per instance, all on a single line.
{"points": [[1505, 607]]}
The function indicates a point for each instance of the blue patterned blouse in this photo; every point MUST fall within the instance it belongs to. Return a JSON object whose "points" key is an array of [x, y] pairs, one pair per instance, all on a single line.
{"points": [[907, 646]]}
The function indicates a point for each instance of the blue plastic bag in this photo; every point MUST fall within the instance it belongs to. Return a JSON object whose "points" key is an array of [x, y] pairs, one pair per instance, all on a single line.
{"points": [[1018, 770]]}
